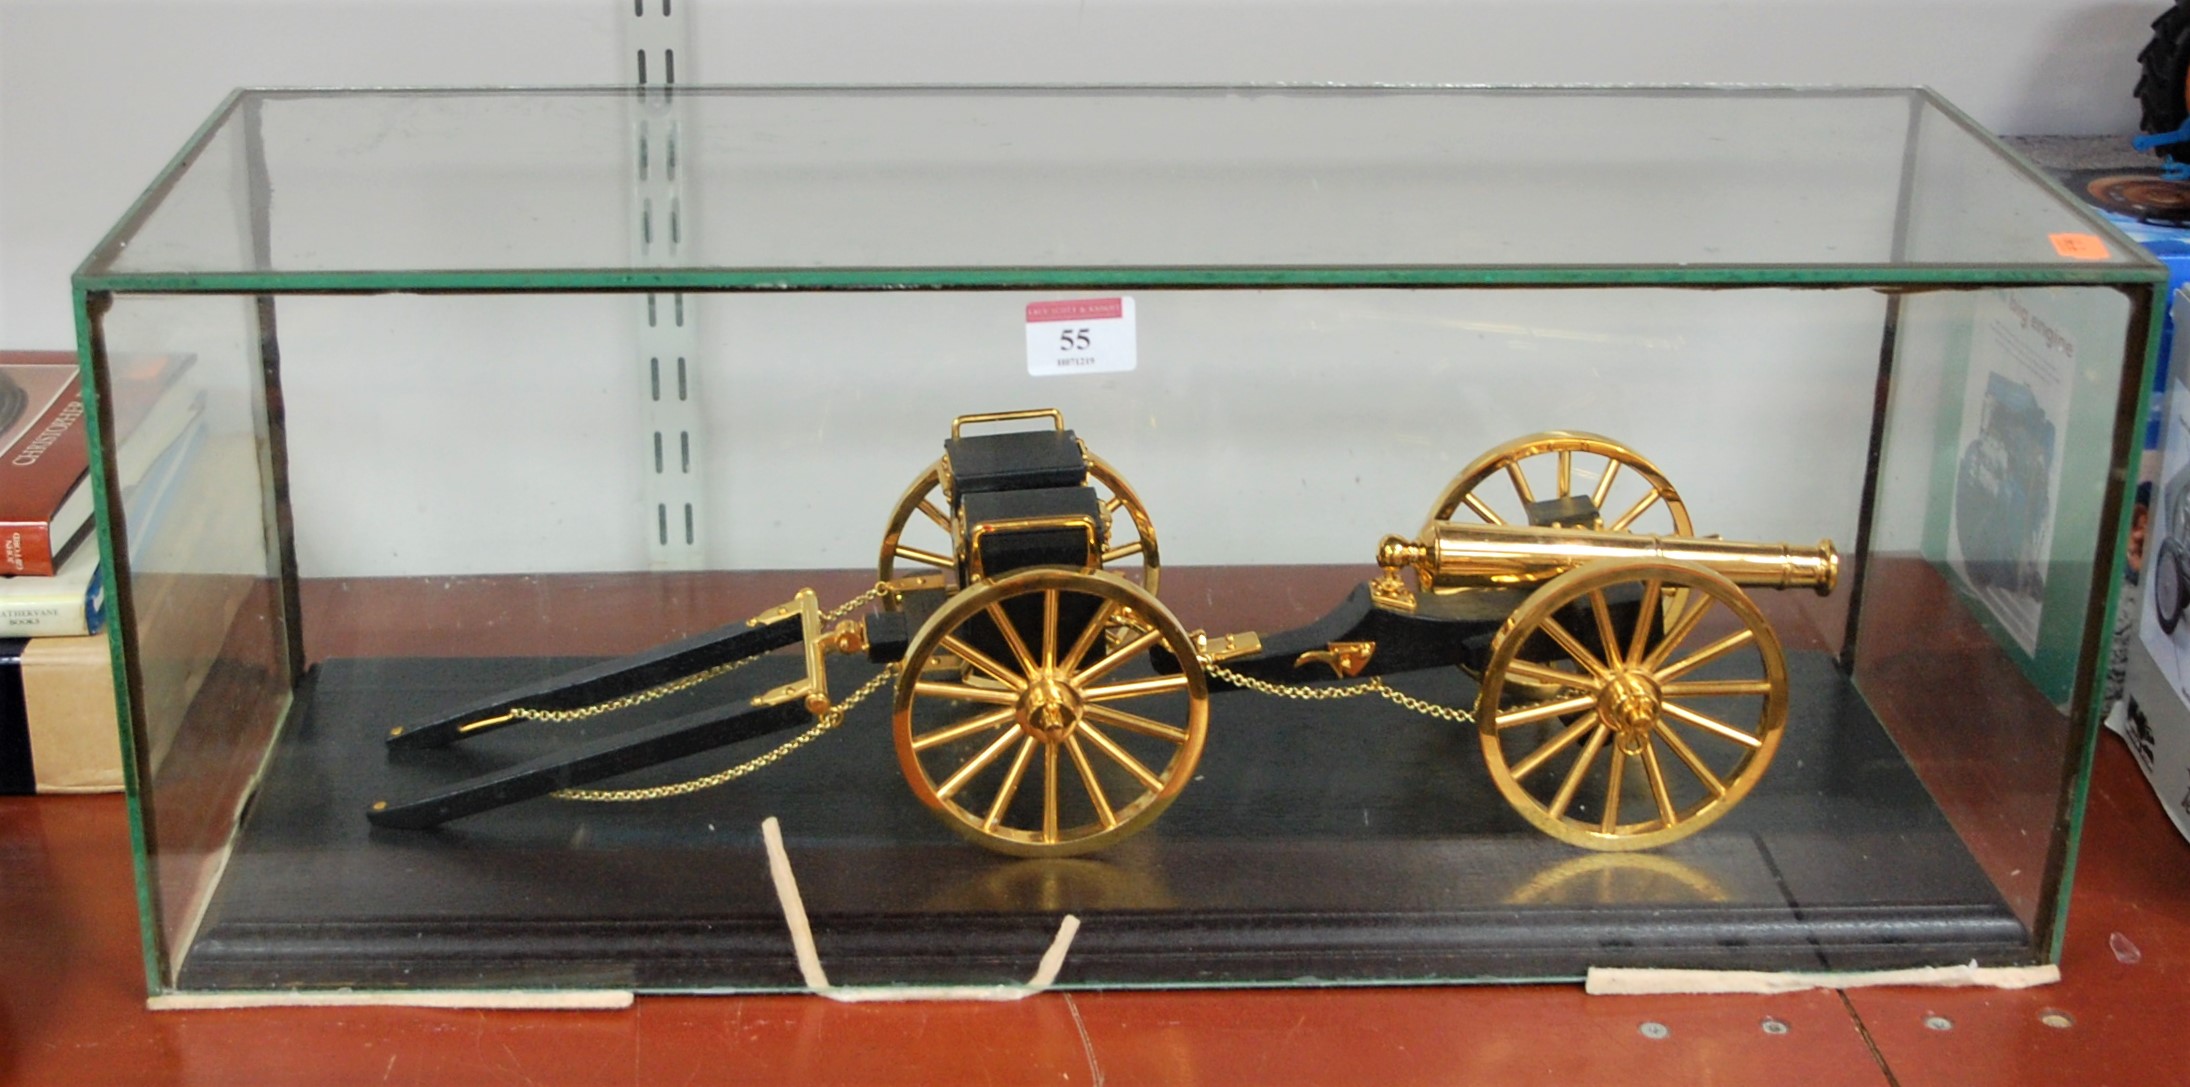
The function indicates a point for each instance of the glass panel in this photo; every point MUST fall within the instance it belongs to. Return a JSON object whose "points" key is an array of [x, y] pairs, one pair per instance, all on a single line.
{"points": [[1996, 467], [480, 528], [1260, 427], [849, 181], [1962, 204], [200, 600], [472, 477]]}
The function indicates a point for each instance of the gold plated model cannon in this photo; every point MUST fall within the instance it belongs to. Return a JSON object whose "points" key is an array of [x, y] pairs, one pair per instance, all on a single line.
{"points": [[1046, 703], [1611, 645], [1629, 692]]}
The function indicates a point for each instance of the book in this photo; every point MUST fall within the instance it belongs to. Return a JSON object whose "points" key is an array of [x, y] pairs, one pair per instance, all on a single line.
{"points": [[58, 729], [149, 440], [41, 456], [72, 601], [45, 490]]}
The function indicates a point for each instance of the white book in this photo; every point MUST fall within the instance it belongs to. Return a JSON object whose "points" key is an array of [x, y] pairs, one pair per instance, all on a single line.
{"points": [[73, 600], [179, 406]]}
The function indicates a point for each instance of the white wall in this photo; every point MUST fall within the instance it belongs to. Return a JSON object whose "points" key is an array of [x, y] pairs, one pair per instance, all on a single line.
{"points": [[96, 94]]}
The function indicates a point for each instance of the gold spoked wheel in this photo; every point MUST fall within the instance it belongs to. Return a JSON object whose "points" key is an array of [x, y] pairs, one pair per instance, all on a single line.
{"points": [[1652, 732], [925, 543], [920, 534], [1633, 495], [1057, 743], [1117, 496]]}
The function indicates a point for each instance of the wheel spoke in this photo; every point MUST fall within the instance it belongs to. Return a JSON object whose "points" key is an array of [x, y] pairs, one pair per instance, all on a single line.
{"points": [[1049, 630], [1574, 647], [958, 647], [1566, 472], [974, 766], [1677, 633], [1638, 509], [907, 551], [1482, 509], [1094, 790], [934, 515], [1688, 758], [1119, 656], [1520, 482], [1706, 655], [1018, 645], [1010, 788], [1089, 635], [1552, 677], [1710, 724], [1605, 635], [1135, 688], [1582, 726], [1049, 792], [1604, 486], [1658, 791], [1643, 614], [1121, 551], [1543, 711], [1117, 754], [1578, 771], [964, 692], [1709, 688], [1611, 818], [1133, 722], [1116, 503], [981, 722]]}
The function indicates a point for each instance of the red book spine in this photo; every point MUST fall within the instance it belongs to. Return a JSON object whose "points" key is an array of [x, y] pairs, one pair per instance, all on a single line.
{"points": [[39, 470]]}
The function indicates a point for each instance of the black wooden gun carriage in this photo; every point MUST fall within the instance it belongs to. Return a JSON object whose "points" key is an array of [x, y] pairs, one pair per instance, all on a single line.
{"points": [[1047, 703]]}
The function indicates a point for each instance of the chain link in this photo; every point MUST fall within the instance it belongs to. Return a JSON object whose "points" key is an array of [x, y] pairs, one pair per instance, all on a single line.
{"points": [[682, 683], [641, 698], [1327, 694], [1422, 706], [849, 606], [829, 719]]}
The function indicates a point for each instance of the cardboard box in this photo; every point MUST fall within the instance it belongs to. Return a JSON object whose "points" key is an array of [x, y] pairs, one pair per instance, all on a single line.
{"points": [[58, 732], [2152, 639]]}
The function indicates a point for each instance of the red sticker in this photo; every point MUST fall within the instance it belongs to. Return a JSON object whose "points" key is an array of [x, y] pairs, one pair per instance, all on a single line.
{"points": [[1078, 309], [2079, 246]]}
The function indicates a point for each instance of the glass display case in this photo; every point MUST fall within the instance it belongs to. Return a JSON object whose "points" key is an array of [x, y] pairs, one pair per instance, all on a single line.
{"points": [[1487, 439]]}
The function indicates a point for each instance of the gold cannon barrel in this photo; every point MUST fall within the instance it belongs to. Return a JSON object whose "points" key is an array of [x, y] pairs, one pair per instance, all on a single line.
{"points": [[1460, 556]]}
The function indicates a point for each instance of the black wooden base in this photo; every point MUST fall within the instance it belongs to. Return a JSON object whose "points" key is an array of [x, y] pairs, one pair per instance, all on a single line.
{"points": [[1319, 843]]}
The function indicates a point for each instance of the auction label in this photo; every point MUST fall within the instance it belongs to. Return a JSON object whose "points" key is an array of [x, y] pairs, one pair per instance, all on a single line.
{"points": [[1081, 336], [2079, 246]]}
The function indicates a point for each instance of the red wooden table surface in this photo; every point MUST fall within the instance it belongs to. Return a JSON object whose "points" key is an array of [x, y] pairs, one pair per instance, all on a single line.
{"points": [[71, 992]]}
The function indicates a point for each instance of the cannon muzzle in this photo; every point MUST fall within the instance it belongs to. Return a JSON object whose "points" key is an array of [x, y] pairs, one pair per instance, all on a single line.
{"points": [[1466, 556]]}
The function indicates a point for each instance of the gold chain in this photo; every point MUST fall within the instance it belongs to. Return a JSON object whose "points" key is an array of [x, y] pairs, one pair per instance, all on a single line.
{"points": [[1326, 694], [626, 702], [846, 608], [1421, 706], [682, 683], [829, 719]]}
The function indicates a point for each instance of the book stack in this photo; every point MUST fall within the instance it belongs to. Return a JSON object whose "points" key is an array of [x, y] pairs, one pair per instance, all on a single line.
{"points": [[57, 713]]}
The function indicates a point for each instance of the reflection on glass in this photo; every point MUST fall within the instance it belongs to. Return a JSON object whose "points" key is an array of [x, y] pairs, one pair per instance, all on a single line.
{"points": [[202, 608]]}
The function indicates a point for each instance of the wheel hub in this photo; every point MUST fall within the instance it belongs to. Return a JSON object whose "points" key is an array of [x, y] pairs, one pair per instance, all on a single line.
{"points": [[1048, 710], [1629, 703]]}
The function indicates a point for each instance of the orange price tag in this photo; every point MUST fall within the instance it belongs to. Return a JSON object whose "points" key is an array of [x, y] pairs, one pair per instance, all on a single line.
{"points": [[2079, 246]]}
